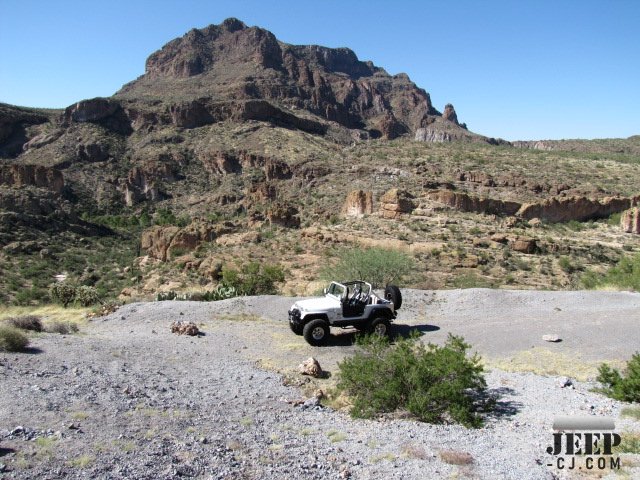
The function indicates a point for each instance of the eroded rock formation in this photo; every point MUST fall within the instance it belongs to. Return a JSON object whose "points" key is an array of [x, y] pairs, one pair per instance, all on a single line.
{"points": [[395, 203], [630, 221], [32, 175], [358, 204]]}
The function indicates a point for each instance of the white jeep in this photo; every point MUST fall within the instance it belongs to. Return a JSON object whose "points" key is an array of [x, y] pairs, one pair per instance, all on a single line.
{"points": [[348, 304]]}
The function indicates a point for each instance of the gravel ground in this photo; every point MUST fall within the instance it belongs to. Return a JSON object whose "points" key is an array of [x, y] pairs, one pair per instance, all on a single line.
{"points": [[128, 399]]}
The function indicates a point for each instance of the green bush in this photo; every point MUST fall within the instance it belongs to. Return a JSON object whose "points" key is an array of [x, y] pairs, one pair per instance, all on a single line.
{"points": [[378, 266], [12, 339], [434, 383], [253, 278], [25, 322], [625, 388], [626, 274]]}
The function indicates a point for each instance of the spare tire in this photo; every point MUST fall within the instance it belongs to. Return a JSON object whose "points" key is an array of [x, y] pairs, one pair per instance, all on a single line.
{"points": [[393, 293]]}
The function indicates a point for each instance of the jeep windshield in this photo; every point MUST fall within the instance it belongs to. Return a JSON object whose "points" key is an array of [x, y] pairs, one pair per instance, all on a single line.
{"points": [[336, 290]]}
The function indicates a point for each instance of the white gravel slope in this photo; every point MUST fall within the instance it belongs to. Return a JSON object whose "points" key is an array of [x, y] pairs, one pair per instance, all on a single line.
{"points": [[144, 403]]}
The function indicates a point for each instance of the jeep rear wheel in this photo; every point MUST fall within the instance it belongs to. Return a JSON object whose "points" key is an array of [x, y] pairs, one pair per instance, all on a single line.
{"points": [[393, 293], [316, 332], [381, 327]]}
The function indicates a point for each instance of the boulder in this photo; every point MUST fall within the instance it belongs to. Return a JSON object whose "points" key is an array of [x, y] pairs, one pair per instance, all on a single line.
{"points": [[523, 245], [630, 221], [357, 204], [185, 328], [395, 203], [283, 216], [310, 367]]}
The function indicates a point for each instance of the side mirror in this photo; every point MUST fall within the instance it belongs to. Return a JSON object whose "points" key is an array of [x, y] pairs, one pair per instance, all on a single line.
{"points": [[325, 291]]}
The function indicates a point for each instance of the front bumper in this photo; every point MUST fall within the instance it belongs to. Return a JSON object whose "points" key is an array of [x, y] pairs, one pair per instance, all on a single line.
{"points": [[295, 317]]}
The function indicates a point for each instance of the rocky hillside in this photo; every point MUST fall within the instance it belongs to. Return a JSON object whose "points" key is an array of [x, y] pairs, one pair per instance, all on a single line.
{"points": [[235, 146]]}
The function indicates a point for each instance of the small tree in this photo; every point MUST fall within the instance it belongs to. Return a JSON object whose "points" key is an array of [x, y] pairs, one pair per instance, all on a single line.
{"points": [[378, 266], [625, 388], [62, 293]]}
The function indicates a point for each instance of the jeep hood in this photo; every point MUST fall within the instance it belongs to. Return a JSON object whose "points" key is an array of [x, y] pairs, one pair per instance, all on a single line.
{"points": [[320, 304]]}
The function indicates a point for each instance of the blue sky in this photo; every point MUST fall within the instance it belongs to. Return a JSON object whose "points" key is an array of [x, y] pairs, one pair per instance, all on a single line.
{"points": [[513, 69]]}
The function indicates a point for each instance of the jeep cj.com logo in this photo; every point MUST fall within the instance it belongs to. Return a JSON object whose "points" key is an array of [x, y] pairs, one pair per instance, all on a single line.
{"points": [[584, 443]]}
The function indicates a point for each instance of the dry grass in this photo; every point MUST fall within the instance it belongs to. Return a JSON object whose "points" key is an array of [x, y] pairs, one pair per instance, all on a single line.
{"points": [[411, 450], [631, 412], [455, 457], [25, 322], [48, 313], [542, 361]]}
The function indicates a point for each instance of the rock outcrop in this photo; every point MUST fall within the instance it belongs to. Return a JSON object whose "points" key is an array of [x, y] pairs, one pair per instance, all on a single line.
{"points": [[469, 203], [555, 209], [565, 209], [165, 242], [283, 215], [450, 114], [630, 220], [225, 163], [358, 204], [102, 111], [395, 203], [32, 175]]}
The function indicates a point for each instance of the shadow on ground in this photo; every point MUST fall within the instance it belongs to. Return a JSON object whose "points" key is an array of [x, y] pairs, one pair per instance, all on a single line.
{"points": [[347, 337], [6, 451], [499, 408], [32, 350]]}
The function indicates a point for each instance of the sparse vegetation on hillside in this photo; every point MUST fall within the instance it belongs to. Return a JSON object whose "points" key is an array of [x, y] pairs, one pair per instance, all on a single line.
{"points": [[624, 275], [432, 382]]}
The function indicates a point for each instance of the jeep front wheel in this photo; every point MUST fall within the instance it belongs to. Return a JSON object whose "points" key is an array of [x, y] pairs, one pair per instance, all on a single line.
{"points": [[381, 327], [297, 329], [316, 332]]}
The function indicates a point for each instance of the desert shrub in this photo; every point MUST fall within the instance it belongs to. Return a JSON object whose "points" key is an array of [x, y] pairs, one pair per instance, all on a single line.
{"points": [[434, 383], [378, 266], [63, 328], [86, 296], [626, 274], [221, 292], [66, 294], [62, 293], [621, 387], [25, 322], [253, 278], [12, 339]]}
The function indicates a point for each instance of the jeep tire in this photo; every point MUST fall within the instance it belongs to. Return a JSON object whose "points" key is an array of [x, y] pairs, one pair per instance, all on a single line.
{"points": [[316, 332], [297, 329], [380, 326], [393, 293]]}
